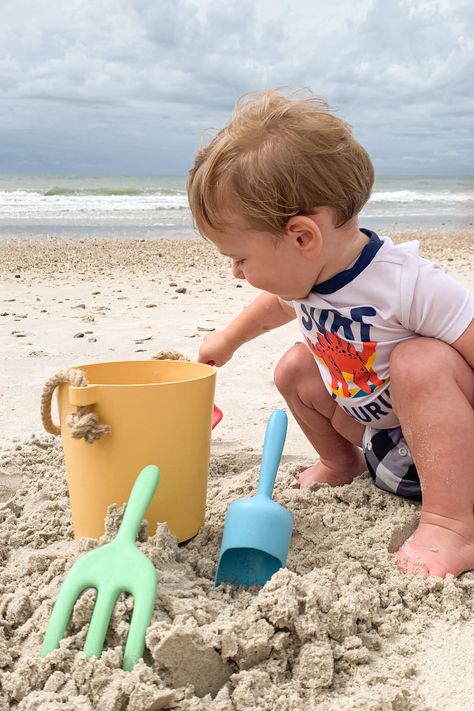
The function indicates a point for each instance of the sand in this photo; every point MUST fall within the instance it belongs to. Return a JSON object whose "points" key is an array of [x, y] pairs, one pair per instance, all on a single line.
{"points": [[339, 628]]}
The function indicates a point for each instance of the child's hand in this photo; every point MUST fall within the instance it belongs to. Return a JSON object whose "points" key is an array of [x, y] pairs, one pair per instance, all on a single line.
{"points": [[215, 348]]}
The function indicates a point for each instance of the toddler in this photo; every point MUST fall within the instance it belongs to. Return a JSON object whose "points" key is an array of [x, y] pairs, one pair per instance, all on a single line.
{"points": [[384, 377]]}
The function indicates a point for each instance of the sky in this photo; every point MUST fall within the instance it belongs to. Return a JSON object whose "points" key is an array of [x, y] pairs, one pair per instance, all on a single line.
{"points": [[134, 87]]}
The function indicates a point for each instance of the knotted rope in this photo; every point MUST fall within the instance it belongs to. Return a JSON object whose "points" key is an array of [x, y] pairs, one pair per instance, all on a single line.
{"points": [[83, 423]]}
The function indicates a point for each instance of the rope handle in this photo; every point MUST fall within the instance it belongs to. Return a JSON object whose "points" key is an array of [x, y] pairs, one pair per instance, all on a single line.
{"points": [[83, 423]]}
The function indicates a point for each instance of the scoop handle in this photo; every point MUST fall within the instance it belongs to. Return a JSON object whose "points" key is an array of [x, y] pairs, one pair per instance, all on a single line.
{"points": [[273, 443], [140, 497]]}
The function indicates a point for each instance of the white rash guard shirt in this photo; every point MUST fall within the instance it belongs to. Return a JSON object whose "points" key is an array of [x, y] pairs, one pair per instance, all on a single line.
{"points": [[353, 321]]}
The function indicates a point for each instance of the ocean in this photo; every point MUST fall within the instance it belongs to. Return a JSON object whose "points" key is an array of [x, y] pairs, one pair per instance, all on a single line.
{"points": [[157, 206]]}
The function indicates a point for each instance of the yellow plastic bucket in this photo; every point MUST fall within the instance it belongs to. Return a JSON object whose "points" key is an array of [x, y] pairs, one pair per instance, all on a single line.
{"points": [[160, 412]]}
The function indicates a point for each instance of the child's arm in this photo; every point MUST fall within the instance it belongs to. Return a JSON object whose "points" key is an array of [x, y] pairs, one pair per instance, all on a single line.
{"points": [[263, 314]]}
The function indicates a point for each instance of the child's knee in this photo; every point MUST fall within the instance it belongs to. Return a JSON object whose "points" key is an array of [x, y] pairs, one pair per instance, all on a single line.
{"points": [[418, 362], [290, 367]]}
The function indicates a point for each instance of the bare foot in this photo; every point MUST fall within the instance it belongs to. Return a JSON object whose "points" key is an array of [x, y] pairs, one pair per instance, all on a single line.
{"points": [[334, 475], [438, 548]]}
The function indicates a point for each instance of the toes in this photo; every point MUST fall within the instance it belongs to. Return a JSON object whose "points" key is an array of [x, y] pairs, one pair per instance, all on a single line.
{"points": [[411, 564], [433, 552], [403, 561], [305, 479]]}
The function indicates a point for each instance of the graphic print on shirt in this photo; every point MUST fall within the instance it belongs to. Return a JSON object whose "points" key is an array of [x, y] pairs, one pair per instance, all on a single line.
{"points": [[344, 348], [352, 322], [352, 374]]}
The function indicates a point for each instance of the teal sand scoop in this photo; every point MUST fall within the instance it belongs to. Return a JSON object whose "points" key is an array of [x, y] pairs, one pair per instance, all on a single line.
{"points": [[257, 530], [118, 566]]}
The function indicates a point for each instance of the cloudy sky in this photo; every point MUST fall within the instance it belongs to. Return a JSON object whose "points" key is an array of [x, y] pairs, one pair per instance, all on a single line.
{"points": [[129, 86]]}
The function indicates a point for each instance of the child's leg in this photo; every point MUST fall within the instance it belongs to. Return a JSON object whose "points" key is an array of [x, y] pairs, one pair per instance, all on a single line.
{"points": [[335, 435], [432, 389]]}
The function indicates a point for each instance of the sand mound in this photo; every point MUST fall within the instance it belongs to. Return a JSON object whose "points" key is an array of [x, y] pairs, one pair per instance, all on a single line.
{"points": [[336, 630]]}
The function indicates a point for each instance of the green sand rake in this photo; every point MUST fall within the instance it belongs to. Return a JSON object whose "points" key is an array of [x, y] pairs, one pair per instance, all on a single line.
{"points": [[118, 566]]}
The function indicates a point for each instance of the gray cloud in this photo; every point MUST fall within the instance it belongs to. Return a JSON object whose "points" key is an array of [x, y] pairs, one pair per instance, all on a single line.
{"points": [[129, 85]]}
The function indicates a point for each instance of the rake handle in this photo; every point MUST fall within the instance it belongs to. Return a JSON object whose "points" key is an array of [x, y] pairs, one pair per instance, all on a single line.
{"points": [[138, 502]]}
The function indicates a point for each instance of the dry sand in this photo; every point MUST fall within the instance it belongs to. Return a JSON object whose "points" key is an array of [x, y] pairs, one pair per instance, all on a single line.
{"points": [[340, 628]]}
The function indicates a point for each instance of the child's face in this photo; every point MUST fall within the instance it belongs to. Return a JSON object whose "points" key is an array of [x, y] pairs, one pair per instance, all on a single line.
{"points": [[268, 262]]}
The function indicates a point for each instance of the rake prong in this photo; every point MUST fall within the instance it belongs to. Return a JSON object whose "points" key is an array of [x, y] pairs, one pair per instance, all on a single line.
{"points": [[99, 624], [143, 604], [74, 584]]}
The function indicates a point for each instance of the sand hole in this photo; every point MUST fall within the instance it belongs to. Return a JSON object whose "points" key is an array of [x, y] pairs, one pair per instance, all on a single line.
{"points": [[401, 532]]}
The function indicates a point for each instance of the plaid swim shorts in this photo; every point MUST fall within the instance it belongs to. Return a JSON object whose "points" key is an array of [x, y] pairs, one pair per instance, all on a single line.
{"points": [[390, 462]]}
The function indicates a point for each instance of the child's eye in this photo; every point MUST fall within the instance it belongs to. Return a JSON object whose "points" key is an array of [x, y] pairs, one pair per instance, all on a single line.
{"points": [[239, 262]]}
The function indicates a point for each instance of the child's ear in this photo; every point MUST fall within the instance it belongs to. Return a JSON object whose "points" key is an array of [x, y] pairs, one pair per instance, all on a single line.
{"points": [[305, 235]]}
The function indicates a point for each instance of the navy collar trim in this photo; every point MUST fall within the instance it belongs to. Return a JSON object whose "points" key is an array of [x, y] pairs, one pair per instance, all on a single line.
{"points": [[337, 281]]}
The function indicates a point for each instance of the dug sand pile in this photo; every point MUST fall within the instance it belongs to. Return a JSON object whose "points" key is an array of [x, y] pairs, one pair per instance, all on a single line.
{"points": [[338, 629]]}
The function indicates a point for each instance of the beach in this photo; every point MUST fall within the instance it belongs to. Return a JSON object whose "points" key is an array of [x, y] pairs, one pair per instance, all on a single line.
{"points": [[339, 628]]}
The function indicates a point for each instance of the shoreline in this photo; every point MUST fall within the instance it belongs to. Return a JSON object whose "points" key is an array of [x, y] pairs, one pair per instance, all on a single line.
{"points": [[135, 229]]}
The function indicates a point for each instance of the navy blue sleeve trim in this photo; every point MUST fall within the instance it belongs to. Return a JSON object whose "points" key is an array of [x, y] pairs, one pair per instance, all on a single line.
{"points": [[366, 256]]}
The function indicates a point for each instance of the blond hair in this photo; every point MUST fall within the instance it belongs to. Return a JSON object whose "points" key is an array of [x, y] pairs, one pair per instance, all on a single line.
{"points": [[277, 157]]}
